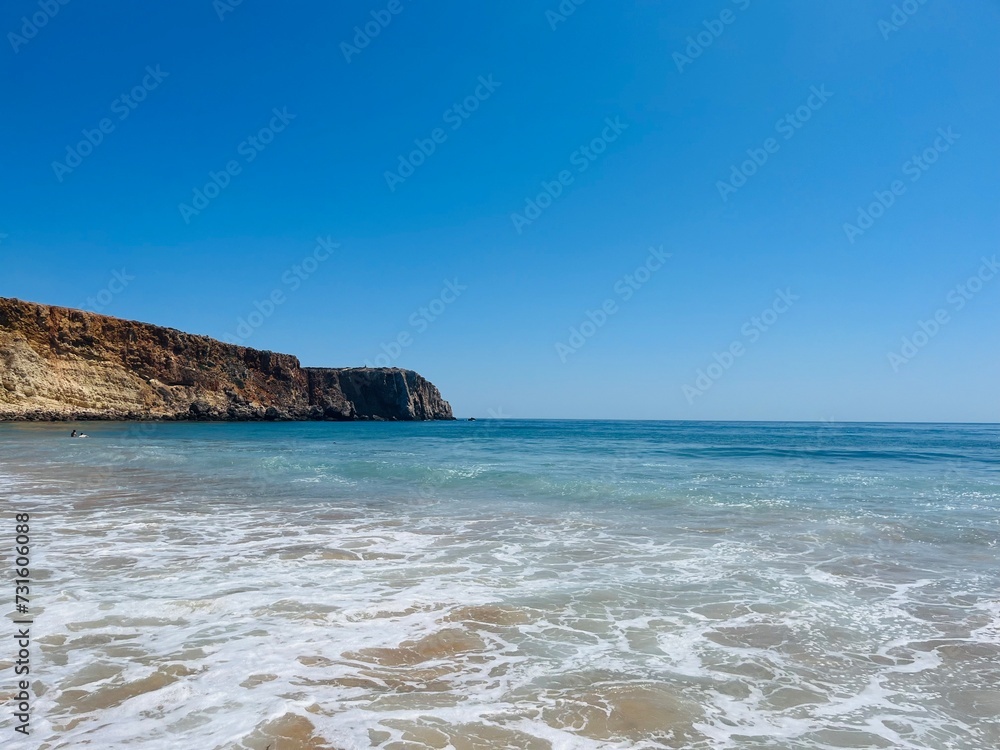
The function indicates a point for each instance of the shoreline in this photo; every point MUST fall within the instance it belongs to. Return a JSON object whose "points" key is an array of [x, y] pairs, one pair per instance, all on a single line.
{"points": [[63, 363], [49, 418]]}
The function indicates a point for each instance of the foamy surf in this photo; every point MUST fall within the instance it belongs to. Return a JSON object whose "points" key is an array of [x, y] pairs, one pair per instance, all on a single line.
{"points": [[396, 599]]}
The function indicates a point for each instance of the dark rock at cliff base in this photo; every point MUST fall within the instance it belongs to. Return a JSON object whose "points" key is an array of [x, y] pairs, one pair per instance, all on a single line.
{"points": [[60, 364]]}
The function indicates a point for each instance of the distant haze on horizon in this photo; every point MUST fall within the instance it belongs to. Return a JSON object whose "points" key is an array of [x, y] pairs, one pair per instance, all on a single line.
{"points": [[721, 211]]}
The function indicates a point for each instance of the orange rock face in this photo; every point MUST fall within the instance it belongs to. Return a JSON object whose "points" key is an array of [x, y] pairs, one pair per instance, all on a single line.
{"points": [[57, 363]]}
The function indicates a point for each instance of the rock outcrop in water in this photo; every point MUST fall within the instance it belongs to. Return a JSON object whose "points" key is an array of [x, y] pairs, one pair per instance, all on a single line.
{"points": [[57, 363]]}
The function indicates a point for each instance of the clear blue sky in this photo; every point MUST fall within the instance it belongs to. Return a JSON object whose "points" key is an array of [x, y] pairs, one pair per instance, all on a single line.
{"points": [[866, 94]]}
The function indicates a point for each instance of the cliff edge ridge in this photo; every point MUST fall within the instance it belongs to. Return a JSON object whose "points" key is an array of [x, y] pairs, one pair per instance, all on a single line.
{"points": [[59, 363]]}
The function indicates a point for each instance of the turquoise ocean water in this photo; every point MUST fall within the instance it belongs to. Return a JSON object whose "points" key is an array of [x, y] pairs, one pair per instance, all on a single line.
{"points": [[509, 584]]}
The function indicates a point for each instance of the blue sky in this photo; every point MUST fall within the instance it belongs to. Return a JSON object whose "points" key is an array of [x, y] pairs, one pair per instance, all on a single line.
{"points": [[497, 177]]}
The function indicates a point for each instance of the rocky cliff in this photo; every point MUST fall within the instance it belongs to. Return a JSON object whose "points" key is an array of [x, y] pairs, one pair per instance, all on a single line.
{"points": [[57, 363]]}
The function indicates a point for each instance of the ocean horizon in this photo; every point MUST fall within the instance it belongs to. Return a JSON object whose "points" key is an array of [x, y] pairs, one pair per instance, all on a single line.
{"points": [[510, 584], [279, 284]]}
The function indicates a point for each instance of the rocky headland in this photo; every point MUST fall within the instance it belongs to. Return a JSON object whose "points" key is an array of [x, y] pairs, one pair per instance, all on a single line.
{"points": [[57, 363]]}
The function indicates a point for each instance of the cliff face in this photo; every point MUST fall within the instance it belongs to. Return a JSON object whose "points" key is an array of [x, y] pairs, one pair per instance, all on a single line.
{"points": [[58, 363]]}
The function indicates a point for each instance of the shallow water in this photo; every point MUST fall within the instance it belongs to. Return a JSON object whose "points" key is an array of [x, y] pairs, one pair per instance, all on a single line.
{"points": [[510, 584]]}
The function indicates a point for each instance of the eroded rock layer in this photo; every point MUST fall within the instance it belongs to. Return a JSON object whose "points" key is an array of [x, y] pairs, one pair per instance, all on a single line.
{"points": [[57, 363]]}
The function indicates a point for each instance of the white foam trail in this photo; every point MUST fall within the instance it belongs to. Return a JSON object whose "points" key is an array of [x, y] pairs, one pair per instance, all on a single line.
{"points": [[203, 615]]}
